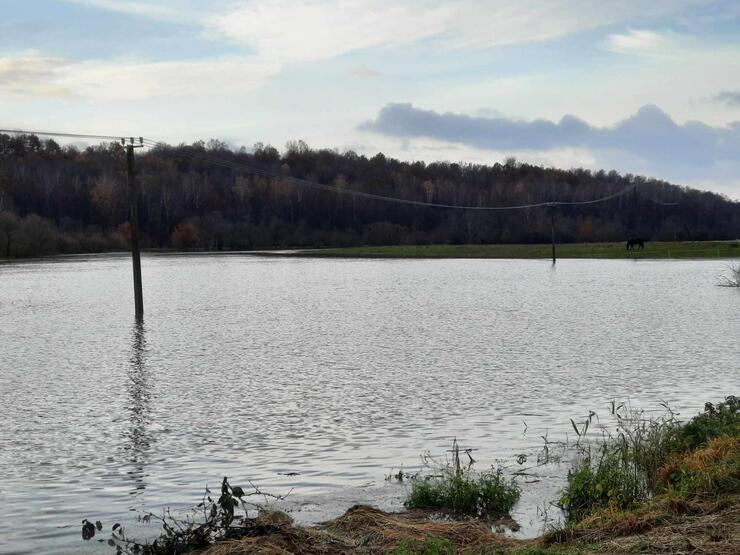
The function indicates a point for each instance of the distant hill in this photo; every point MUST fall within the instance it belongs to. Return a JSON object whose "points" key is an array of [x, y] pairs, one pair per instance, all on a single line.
{"points": [[57, 199]]}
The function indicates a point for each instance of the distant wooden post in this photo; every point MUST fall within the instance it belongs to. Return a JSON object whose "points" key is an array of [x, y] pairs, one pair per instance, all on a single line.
{"points": [[552, 229], [134, 222]]}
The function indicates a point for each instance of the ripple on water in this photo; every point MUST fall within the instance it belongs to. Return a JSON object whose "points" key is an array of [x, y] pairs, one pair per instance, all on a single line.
{"points": [[337, 370]]}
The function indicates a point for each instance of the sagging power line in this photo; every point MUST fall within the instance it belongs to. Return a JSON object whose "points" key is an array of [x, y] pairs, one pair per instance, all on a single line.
{"points": [[142, 141], [373, 196], [69, 135]]}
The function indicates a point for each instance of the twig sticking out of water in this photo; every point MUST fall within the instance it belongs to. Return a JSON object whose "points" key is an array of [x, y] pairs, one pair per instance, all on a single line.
{"points": [[209, 521], [731, 280]]}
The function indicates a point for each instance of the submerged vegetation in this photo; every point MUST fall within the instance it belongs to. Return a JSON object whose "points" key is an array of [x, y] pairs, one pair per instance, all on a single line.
{"points": [[732, 279], [463, 491], [209, 521]]}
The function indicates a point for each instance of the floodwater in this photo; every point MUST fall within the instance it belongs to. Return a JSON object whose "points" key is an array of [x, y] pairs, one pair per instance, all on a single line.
{"points": [[336, 370]]}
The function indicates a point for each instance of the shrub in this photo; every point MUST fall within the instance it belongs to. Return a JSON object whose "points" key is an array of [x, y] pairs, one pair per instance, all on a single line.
{"points": [[609, 481], [210, 521], [649, 456], [464, 491], [715, 421]]}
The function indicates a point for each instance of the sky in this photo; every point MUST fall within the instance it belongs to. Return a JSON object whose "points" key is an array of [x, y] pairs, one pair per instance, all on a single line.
{"points": [[649, 88]]}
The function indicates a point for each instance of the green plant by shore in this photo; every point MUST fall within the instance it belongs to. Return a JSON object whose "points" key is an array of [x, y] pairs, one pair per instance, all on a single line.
{"points": [[654, 456], [655, 485], [460, 489]]}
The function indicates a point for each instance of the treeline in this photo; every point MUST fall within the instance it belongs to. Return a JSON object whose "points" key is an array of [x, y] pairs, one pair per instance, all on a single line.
{"points": [[56, 199]]}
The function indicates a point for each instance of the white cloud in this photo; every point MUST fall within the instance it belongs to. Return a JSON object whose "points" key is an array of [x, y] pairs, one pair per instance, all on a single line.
{"points": [[290, 31], [644, 42], [36, 73], [495, 23], [31, 72], [162, 10], [430, 150]]}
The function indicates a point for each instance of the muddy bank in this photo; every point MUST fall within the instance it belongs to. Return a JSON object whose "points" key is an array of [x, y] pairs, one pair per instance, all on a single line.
{"points": [[664, 526], [362, 530]]}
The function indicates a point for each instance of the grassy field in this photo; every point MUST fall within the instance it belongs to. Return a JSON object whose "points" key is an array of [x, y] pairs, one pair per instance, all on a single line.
{"points": [[685, 249]]}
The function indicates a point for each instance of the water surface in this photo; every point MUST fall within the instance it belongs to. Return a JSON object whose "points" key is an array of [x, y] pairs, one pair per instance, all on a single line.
{"points": [[254, 367]]}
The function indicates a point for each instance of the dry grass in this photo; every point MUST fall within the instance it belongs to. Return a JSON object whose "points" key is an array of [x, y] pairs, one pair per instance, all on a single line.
{"points": [[696, 509], [664, 525], [708, 471], [367, 531], [714, 530]]}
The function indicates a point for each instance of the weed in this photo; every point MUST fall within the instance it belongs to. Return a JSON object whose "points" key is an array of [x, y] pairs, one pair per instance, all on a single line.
{"points": [[731, 280], [648, 456], [464, 491], [715, 421], [209, 522], [611, 481]]}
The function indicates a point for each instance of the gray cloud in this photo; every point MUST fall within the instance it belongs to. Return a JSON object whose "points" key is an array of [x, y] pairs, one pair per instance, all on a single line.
{"points": [[648, 142], [731, 98]]}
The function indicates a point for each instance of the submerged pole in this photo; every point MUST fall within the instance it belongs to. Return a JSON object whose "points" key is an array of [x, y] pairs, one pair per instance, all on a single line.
{"points": [[134, 222], [552, 229]]}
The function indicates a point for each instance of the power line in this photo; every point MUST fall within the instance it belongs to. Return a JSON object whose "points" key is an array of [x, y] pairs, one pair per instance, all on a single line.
{"points": [[325, 187], [656, 201], [373, 196], [71, 135]]}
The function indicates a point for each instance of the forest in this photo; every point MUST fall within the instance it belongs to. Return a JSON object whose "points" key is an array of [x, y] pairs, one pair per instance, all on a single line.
{"points": [[66, 199]]}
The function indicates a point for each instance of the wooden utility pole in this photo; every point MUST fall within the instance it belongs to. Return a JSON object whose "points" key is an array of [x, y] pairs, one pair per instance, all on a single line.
{"points": [[133, 193], [552, 229]]}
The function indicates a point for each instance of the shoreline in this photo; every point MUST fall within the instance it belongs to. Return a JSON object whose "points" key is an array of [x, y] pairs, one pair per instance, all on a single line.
{"points": [[608, 251], [661, 485], [663, 525], [680, 250]]}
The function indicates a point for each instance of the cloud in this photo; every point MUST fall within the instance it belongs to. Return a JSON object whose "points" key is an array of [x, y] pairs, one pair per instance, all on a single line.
{"points": [[364, 72], [36, 73], [643, 42], [162, 10], [31, 72], [289, 32], [649, 141], [731, 98], [306, 30]]}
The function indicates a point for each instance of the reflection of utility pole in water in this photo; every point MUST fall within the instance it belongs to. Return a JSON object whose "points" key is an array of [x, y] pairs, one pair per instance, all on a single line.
{"points": [[138, 388]]}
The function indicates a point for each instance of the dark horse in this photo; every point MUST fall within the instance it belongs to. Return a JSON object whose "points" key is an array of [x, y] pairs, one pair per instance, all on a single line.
{"points": [[635, 243]]}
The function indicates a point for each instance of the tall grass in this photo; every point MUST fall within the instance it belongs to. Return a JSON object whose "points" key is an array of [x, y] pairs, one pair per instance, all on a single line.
{"points": [[651, 455]]}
